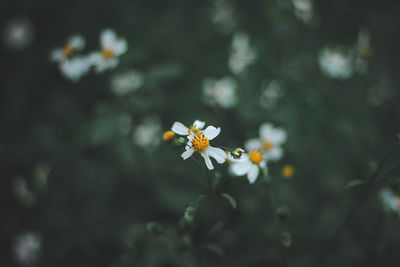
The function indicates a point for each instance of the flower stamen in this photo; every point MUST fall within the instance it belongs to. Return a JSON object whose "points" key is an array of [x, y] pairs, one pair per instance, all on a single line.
{"points": [[255, 156], [200, 143], [68, 49], [267, 145], [107, 53]]}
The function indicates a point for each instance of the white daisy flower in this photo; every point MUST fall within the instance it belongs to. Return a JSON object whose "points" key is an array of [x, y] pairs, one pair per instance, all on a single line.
{"points": [[249, 164], [18, 34], [111, 48], [74, 44], [147, 133], [126, 82], [181, 129], [75, 68], [270, 141], [336, 63], [200, 143], [242, 54], [222, 92]]}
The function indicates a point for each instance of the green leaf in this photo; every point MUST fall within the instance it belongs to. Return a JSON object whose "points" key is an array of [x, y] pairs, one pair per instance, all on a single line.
{"points": [[231, 200]]}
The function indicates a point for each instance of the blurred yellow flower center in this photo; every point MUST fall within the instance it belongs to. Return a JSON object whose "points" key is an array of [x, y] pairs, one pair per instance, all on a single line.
{"points": [[168, 136], [194, 130], [68, 49], [107, 53], [255, 156], [267, 145], [200, 143], [287, 171]]}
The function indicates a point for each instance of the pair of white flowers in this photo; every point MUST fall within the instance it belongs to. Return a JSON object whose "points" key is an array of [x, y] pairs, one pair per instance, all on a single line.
{"points": [[260, 150], [74, 66]]}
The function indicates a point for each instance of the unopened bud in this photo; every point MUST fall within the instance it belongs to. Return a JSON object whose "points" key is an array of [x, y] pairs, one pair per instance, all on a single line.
{"points": [[286, 239], [168, 136], [283, 213], [237, 153], [190, 212], [154, 228]]}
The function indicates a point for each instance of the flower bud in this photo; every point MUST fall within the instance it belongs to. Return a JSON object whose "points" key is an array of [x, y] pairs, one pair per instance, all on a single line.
{"points": [[168, 136], [286, 239], [190, 212]]}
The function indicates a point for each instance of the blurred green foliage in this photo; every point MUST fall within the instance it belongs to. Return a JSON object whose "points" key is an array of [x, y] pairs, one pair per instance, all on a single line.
{"points": [[103, 188]]}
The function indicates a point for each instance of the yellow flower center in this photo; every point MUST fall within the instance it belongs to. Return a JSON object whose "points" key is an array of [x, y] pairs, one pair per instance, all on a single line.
{"points": [[68, 49], [287, 171], [107, 53], [267, 145], [194, 130], [168, 136], [255, 156], [200, 143]]}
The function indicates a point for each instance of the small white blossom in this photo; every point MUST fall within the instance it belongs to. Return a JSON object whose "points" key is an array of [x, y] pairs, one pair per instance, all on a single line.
{"points": [[73, 69], [22, 192], [364, 51], [181, 129], [111, 49], [242, 53], [249, 164], [222, 92], [126, 82], [18, 34], [336, 63], [27, 247], [223, 15], [390, 201], [303, 9], [74, 44], [270, 142], [271, 92], [147, 134]]}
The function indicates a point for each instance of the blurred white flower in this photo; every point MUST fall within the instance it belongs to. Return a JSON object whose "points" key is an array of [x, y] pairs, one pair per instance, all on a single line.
{"points": [[18, 34], [270, 142], [40, 175], [390, 201], [74, 44], [22, 192], [336, 63], [249, 164], [242, 54], [27, 247], [303, 9], [111, 49], [200, 143], [126, 82], [223, 15], [222, 92], [181, 129], [73, 69], [271, 92], [364, 50], [147, 134]]}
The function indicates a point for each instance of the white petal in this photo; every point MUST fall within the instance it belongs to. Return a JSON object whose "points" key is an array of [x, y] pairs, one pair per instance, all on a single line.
{"points": [[120, 47], [274, 154], [278, 136], [57, 56], [198, 124], [187, 153], [252, 144], [107, 38], [265, 130], [217, 153], [240, 168], [253, 173], [77, 42], [211, 132], [207, 160], [180, 129]]}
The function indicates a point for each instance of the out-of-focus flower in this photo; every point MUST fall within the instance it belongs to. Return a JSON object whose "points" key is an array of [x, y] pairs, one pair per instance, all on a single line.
{"points": [[27, 247], [271, 92], [181, 129], [223, 15], [270, 142], [242, 53], [303, 9], [126, 82], [18, 34], [22, 192], [390, 201], [73, 69], [111, 49], [147, 134], [222, 92], [364, 50], [74, 44], [336, 63], [40, 174], [378, 94], [249, 164], [287, 171]]}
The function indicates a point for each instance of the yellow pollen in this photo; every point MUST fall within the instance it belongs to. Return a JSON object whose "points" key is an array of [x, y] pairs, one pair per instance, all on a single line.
{"points": [[267, 145], [194, 130], [68, 49], [107, 53], [200, 143], [168, 136], [287, 171], [255, 156], [227, 156]]}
